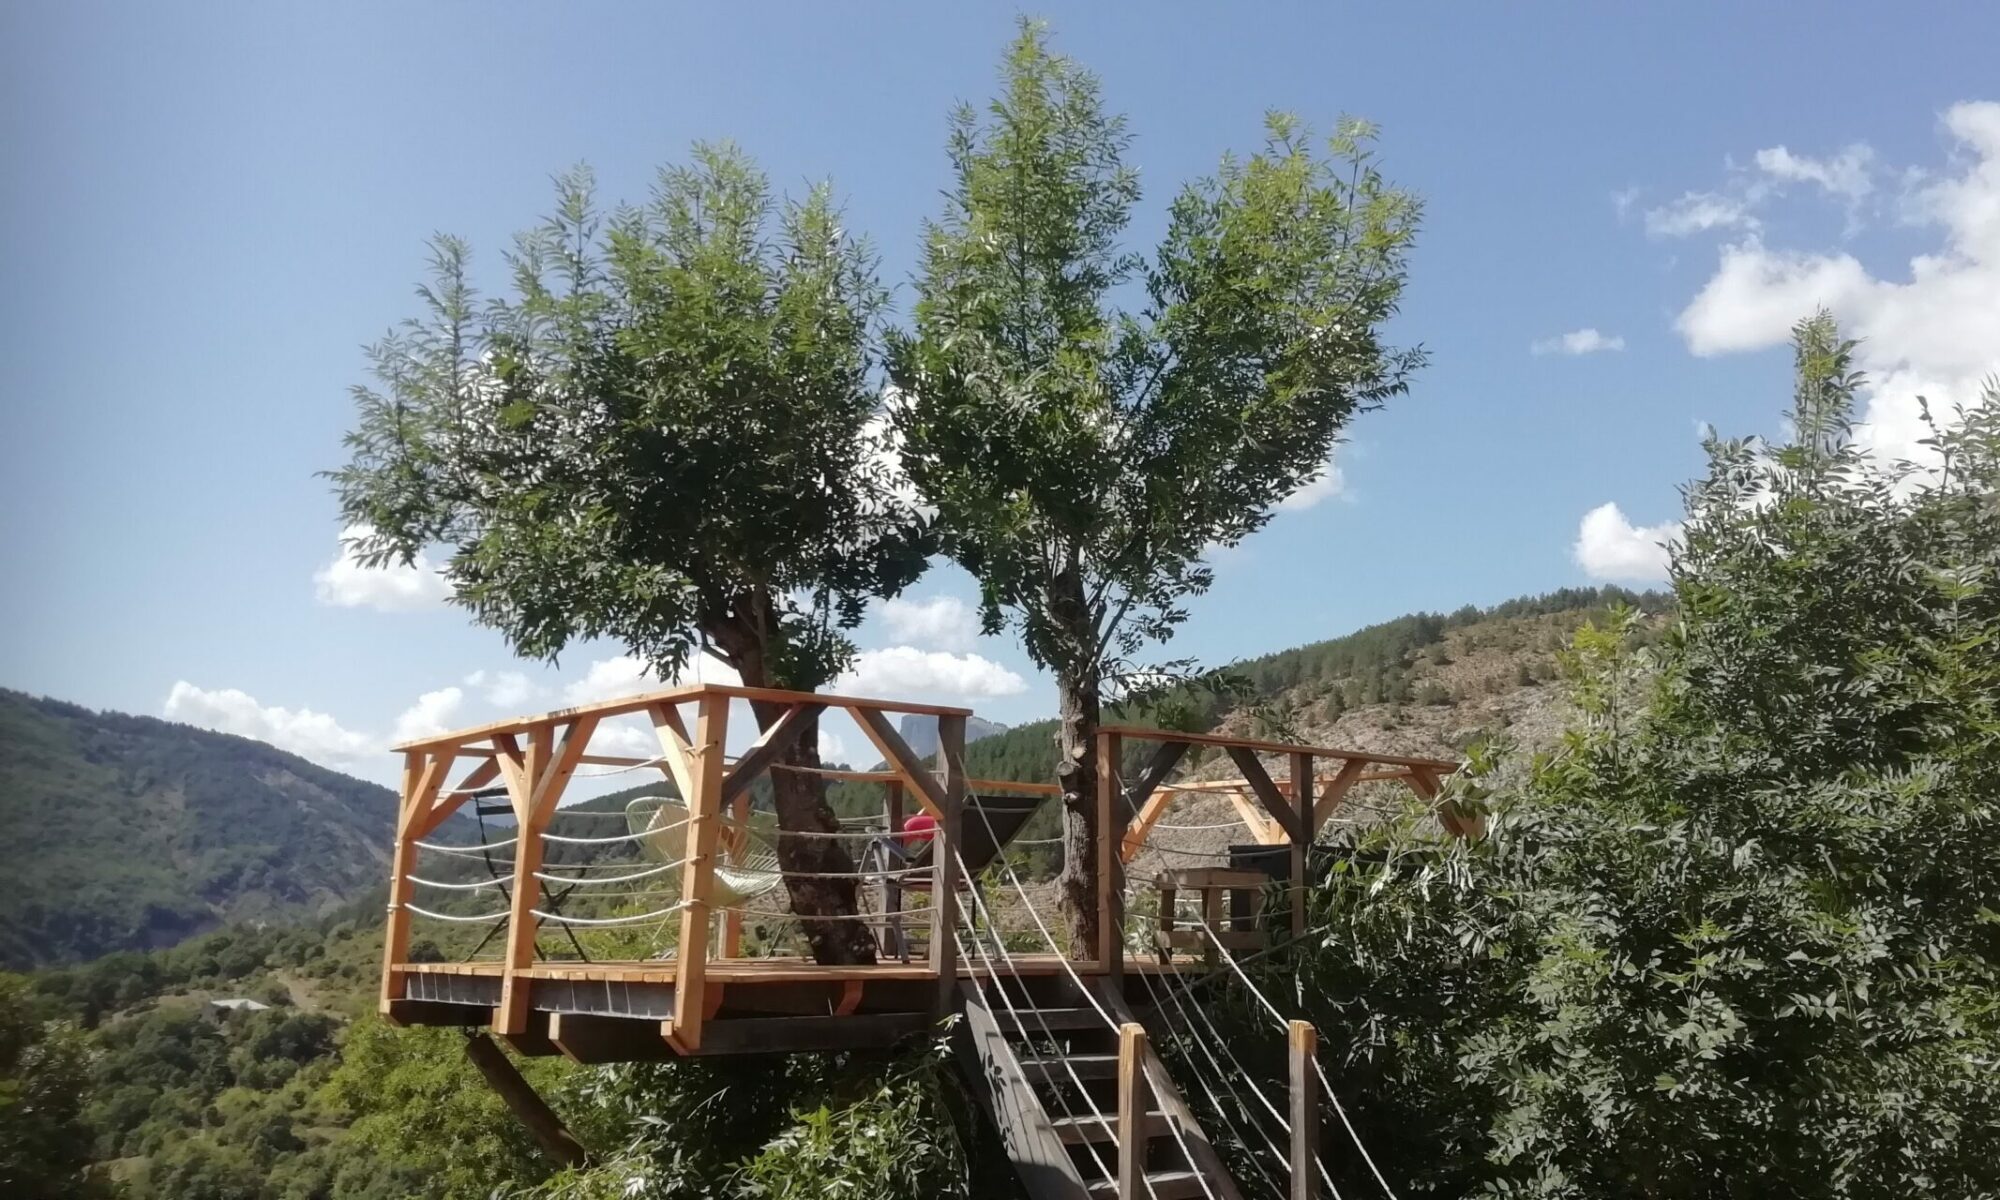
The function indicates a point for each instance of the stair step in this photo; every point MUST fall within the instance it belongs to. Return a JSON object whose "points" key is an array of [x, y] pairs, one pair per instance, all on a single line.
{"points": [[1087, 1066], [1163, 1185], [1076, 1131], [1034, 1020]]}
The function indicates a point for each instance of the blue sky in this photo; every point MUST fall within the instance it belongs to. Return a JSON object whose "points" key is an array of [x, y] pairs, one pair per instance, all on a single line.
{"points": [[210, 209]]}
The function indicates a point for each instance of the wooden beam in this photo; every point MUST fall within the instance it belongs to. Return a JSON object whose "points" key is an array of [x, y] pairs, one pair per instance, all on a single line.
{"points": [[535, 786], [1274, 801], [528, 1107], [1142, 824], [780, 737], [901, 759], [1302, 795], [1110, 948], [592, 1039], [704, 803], [675, 748], [1134, 1100], [1351, 772], [1428, 787], [423, 775], [1261, 826], [1138, 733], [1302, 1043], [945, 868], [448, 802], [643, 701]]}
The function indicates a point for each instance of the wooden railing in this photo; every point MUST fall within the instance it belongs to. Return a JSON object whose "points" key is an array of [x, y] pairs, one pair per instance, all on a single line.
{"points": [[534, 759], [1285, 812]]}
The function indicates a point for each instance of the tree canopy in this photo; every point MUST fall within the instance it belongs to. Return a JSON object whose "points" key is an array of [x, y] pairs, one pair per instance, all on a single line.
{"points": [[1089, 423]]}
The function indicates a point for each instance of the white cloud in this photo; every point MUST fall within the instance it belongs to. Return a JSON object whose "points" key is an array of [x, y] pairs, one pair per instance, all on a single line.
{"points": [[1932, 333], [309, 734], [1608, 546], [1325, 486], [831, 748], [345, 583], [503, 689], [941, 622], [1699, 212], [430, 715], [624, 674], [907, 672], [1849, 174], [1578, 341]]}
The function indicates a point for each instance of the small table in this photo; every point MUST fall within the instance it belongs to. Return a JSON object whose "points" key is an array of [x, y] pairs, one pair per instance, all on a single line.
{"points": [[1215, 885]]}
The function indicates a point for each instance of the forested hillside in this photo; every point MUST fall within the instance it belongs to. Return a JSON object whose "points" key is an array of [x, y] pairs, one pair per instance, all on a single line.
{"points": [[127, 832]]}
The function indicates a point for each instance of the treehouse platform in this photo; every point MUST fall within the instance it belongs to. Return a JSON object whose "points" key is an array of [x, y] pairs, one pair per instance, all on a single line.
{"points": [[705, 913]]}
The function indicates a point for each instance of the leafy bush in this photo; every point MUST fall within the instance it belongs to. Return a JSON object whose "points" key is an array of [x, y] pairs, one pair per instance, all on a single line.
{"points": [[1737, 936]]}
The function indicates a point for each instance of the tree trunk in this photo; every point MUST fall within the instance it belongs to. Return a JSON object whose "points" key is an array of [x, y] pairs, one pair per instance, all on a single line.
{"points": [[825, 907], [1078, 704]]}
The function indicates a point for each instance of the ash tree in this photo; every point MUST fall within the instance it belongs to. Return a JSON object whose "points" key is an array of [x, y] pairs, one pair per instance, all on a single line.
{"points": [[664, 433], [1089, 423]]}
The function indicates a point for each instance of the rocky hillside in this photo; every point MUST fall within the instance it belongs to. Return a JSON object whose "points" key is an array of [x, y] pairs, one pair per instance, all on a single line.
{"points": [[125, 832]]}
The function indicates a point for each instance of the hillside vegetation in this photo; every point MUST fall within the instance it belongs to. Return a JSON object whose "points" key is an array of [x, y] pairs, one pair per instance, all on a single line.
{"points": [[127, 832]]}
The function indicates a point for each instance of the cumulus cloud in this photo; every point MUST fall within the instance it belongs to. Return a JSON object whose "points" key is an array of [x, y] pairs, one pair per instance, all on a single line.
{"points": [[832, 749], [1325, 486], [503, 689], [941, 622], [1849, 174], [624, 674], [905, 671], [306, 733], [1578, 341], [1610, 547], [1930, 333], [346, 583], [432, 714]]}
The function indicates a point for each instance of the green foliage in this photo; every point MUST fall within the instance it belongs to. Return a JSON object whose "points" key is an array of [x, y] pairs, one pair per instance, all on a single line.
{"points": [[805, 1125], [128, 832], [44, 1081], [1084, 457], [661, 436], [1737, 935]]}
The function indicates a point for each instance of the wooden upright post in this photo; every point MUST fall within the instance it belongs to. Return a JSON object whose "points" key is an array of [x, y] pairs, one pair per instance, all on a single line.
{"points": [[1110, 835], [1133, 1100], [1303, 1044], [535, 782], [1302, 795], [944, 860], [711, 728], [423, 775]]}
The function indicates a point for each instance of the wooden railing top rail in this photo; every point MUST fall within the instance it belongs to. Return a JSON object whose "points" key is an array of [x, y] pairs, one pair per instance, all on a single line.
{"points": [[643, 701], [1141, 733]]}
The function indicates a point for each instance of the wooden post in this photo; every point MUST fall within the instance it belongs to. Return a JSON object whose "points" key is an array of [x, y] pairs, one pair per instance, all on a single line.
{"points": [[944, 861], [1302, 795], [711, 728], [535, 782], [1133, 1100], [1303, 1044], [423, 775], [892, 884], [1110, 835], [525, 1103]]}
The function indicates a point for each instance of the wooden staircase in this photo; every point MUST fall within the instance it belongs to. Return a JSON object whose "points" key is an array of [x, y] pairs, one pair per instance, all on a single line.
{"points": [[1045, 1064]]}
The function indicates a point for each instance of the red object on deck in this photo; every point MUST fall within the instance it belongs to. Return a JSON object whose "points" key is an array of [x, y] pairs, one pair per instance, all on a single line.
{"points": [[921, 827]]}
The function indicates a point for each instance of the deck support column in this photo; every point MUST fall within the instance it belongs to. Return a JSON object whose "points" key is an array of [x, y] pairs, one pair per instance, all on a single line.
{"points": [[1302, 795], [944, 859], [1302, 1044], [711, 728], [1110, 949]]}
